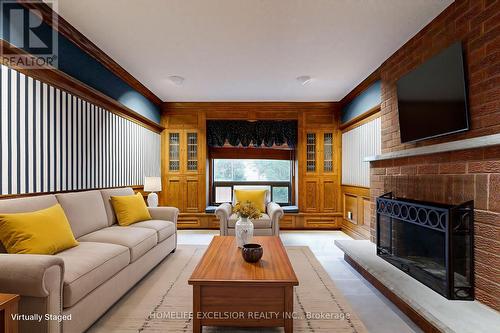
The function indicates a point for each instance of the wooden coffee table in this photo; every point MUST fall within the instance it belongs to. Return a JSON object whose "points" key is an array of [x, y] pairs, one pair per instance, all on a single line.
{"points": [[228, 291]]}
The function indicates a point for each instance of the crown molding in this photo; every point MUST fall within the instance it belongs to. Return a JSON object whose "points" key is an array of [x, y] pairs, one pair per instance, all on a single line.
{"points": [[63, 81], [77, 38]]}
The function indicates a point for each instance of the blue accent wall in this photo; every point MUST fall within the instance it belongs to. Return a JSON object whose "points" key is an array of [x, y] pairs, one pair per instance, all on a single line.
{"points": [[80, 65], [365, 101]]}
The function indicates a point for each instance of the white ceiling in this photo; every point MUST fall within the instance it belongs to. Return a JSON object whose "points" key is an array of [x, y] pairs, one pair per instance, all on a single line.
{"points": [[250, 50]]}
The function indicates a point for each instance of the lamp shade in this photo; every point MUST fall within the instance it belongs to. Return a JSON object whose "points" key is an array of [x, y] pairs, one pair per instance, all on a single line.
{"points": [[152, 184]]}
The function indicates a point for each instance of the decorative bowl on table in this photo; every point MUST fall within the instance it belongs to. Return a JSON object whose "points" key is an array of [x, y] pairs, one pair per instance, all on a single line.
{"points": [[252, 252]]}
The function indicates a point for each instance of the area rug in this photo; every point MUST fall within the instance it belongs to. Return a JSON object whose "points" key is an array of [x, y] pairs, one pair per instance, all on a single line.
{"points": [[162, 301]]}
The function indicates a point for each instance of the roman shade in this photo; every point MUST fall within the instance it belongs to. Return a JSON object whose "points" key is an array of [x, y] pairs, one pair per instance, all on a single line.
{"points": [[252, 133]]}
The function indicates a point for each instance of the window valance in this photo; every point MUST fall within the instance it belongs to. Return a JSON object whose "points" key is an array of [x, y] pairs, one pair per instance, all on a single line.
{"points": [[252, 133]]}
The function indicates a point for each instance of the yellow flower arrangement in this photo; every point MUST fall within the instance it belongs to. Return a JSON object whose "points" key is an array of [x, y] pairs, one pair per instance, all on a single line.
{"points": [[247, 210]]}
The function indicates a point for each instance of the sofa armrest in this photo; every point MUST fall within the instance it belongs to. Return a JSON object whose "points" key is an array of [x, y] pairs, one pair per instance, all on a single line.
{"points": [[275, 212], [164, 213], [31, 275], [223, 212]]}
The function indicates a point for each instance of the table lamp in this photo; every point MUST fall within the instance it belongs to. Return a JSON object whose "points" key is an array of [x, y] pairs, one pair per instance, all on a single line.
{"points": [[152, 184]]}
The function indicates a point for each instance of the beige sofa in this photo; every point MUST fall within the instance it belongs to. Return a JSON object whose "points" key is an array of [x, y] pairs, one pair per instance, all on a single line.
{"points": [[86, 280]]}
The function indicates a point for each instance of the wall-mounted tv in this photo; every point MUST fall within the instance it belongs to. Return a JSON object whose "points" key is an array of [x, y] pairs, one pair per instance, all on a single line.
{"points": [[432, 99]]}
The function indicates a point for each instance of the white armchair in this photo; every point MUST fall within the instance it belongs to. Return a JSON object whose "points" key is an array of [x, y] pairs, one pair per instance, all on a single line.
{"points": [[266, 225]]}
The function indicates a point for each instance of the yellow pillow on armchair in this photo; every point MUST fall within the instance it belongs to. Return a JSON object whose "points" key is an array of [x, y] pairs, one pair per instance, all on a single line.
{"points": [[45, 231], [130, 209], [257, 197]]}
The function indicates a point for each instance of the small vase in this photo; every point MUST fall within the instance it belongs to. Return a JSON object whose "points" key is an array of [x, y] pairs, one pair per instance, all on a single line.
{"points": [[244, 231]]}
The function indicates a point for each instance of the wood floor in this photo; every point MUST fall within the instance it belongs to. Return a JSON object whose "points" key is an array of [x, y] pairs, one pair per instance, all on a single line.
{"points": [[377, 313]]}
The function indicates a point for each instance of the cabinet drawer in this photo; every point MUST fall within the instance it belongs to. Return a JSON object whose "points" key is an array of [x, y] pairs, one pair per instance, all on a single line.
{"points": [[213, 222], [287, 222], [329, 222], [188, 222]]}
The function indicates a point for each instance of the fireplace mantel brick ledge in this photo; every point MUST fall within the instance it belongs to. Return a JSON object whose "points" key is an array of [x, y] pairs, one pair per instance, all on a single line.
{"points": [[478, 142], [445, 315]]}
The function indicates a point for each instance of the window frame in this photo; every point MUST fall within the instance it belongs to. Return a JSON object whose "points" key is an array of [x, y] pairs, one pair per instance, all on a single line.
{"points": [[272, 185], [251, 153]]}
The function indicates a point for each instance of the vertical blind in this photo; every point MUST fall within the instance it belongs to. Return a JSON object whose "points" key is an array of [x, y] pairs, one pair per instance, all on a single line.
{"points": [[358, 143], [52, 141]]}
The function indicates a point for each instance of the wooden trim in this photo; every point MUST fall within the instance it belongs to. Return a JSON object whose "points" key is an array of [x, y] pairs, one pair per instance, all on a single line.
{"points": [[352, 233], [67, 83], [354, 187], [137, 188], [236, 106], [251, 153], [372, 78], [418, 319], [362, 119], [248, 110], [77, 38]]}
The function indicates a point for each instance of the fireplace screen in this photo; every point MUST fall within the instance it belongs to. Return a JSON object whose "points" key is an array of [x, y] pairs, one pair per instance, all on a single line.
{"points": [[430, 242]]}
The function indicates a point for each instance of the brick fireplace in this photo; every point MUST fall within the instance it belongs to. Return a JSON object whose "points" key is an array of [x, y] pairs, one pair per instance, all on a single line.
{"points": [[452, 177]]}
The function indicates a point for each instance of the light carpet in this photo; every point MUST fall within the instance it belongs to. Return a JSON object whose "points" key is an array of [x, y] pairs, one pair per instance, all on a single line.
{"points": [[162, 301]]}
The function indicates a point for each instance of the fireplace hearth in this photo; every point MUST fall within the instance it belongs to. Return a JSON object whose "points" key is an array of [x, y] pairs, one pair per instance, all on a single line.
{"points": [[432, 242]]}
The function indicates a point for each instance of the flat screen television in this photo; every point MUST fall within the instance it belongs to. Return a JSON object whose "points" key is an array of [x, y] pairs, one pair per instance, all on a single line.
{"points": [[432, 98]]}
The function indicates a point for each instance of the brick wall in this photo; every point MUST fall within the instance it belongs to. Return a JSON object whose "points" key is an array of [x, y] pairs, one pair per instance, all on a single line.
{"points": [[457, 176], [477, 24]]}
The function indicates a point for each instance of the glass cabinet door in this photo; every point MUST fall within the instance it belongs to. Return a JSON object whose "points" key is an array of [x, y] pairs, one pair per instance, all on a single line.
{"points": [[192, 151], [174, 152], [311, 152], [327, 152]]}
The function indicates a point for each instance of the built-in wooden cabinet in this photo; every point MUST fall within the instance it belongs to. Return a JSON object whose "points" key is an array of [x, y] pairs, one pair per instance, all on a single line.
{"points": [[320, 173], [184, 176]]}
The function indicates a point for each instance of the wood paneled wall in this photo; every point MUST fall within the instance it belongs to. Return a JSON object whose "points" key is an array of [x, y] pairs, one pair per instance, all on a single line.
{"points": [[356, 211], [320, 204]]}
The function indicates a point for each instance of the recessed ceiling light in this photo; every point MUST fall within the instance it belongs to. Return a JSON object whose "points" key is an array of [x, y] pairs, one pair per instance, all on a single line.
{"points": [[176, 79], [304, 79]]}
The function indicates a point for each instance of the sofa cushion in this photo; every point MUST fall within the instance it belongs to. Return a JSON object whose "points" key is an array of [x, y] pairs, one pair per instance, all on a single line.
{"points": [[253, 187], [28, 204], [89, 265], [45, 231], [24, 205], [263, 222], [85, 211], [256, 197], [138, 240], [130, 209], [106, 198], [164, 229]]}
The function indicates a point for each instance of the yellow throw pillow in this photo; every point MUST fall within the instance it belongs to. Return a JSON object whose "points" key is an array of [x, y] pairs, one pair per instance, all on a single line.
{"points": [[257, 197], [45, 231], [130, 209]]}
